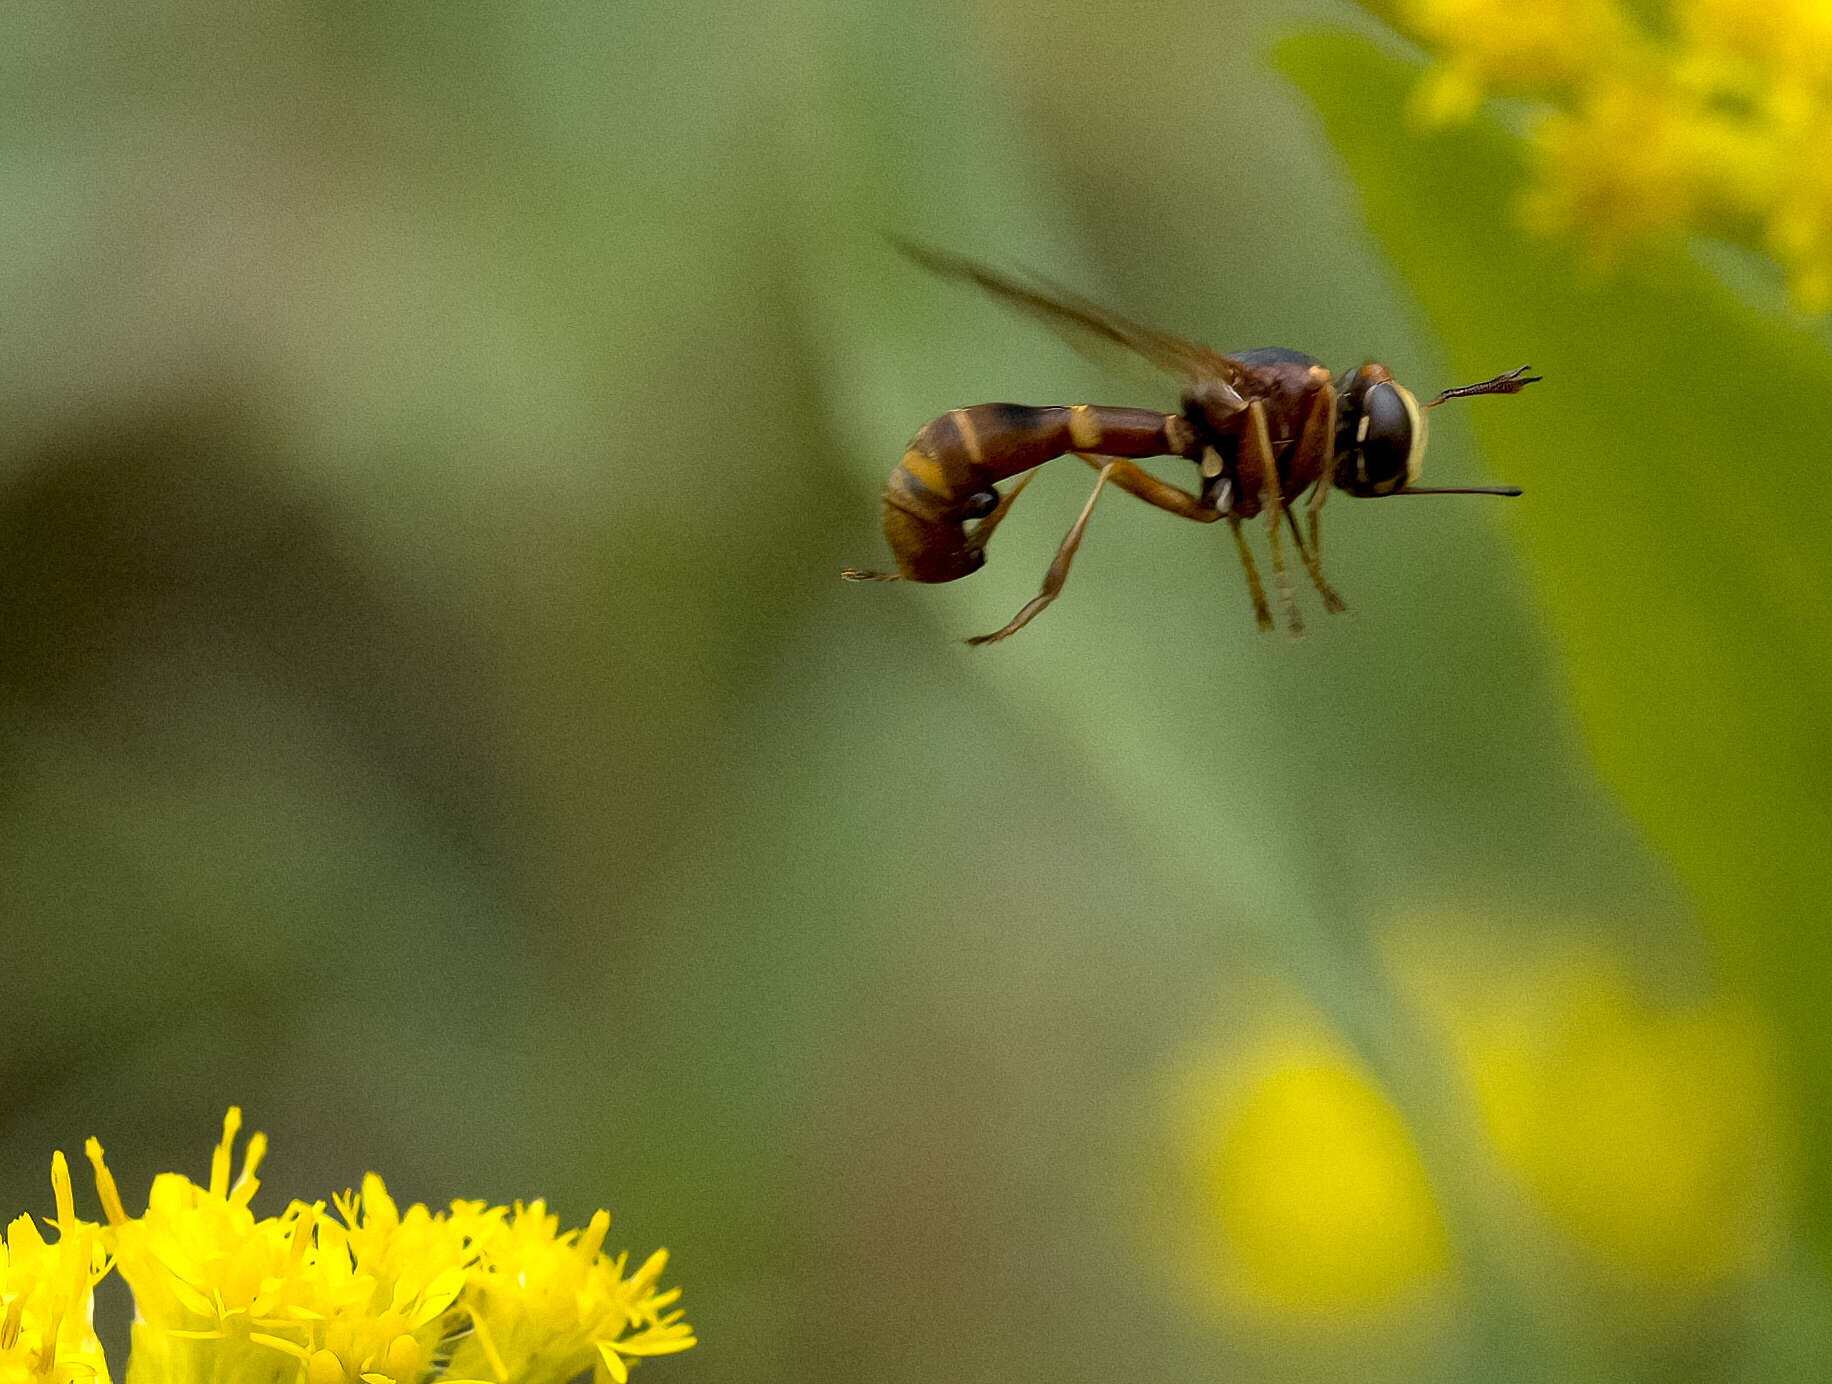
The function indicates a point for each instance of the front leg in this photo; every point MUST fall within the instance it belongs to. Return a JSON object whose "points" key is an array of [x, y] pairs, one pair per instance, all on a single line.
{"points": [[1333, 603], [1312, 458]]}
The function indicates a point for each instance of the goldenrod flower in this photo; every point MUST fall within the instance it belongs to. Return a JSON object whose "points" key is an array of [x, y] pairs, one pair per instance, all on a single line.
{"points": [[547, 1305], [1301, 1197], [368, 1291], [46, 1336], [1667, 118], [1649, 1133], [1553, 46]]}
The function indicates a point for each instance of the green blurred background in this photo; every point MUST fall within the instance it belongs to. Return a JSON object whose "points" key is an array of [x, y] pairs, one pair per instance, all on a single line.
{"points": [[430, 717]]}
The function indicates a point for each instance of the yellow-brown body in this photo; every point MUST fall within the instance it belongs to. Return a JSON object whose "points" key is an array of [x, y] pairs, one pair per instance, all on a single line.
{"points": [[1262, 426]]}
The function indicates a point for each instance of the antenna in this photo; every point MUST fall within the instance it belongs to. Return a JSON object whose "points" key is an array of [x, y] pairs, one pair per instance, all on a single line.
{"points": [[1511, 383], [1461, 490]]}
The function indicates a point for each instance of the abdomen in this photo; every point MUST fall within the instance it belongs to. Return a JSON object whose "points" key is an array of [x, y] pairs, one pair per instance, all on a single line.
{"points": [[952, 465]]}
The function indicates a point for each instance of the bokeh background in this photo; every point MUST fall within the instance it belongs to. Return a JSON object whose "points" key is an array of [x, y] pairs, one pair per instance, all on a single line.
{"points": [[430, 717]]}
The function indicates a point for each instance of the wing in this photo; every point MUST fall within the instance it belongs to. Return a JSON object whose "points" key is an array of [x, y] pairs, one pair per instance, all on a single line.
{"points": [[1196, 368]]}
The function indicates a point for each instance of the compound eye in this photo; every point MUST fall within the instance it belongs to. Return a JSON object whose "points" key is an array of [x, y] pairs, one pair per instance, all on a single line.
{"points": [[979, 504], [1386, 446]]}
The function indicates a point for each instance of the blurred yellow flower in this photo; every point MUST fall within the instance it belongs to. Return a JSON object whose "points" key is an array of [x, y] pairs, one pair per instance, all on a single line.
{"points": [[46, 1336], [1553, 46], [1651, 1135], [371, 1292], [1307, 1202], [1640, 1155], [1674, 117]]}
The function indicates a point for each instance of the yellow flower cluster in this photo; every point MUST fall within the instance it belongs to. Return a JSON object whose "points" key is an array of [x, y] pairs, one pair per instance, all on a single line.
{"points": [[1671, 116], [317, 1295], [45, 1286], [1642, 1135]]}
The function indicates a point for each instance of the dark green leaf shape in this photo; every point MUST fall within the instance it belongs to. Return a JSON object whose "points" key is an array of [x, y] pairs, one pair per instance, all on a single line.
{"points": [[1677, 526]]}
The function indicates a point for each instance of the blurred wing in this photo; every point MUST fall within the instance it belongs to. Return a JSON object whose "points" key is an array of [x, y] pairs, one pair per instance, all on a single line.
{"points": [[1072, 315]]}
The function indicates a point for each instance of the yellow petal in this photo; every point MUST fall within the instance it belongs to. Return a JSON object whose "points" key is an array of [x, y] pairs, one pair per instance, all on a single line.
{"points": [[613, 1365]]}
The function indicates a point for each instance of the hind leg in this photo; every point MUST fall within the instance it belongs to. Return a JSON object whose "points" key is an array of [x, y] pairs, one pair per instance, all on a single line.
{"points": [[1059, 566], [978, 539]]}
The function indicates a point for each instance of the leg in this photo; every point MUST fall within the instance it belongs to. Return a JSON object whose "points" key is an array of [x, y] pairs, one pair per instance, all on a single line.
{"points": [[1333, 603], [1258, 438], [982, 533], [1059, 567], [1319, 493], [1310, 461], [1140, 483], [1261, 611], [1165, 496], [1312, 458]]}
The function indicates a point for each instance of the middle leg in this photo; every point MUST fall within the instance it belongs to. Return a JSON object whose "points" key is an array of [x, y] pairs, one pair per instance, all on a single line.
{"points": [[1138, 482]]}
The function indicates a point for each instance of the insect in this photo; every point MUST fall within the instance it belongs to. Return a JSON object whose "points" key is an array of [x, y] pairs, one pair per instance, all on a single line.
{"points": [[1261, 426]]}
